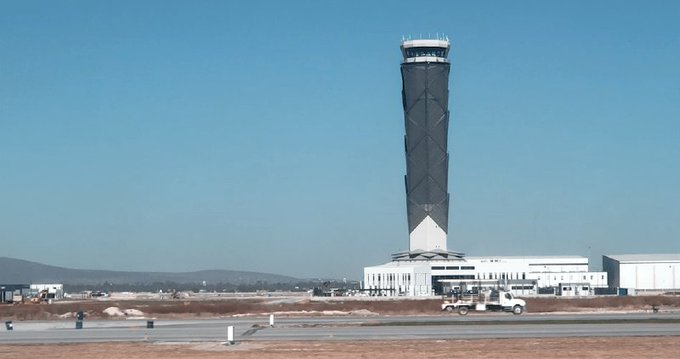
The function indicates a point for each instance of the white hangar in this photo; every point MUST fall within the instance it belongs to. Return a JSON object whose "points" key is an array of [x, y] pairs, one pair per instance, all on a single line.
{"points": [[643, 273]]}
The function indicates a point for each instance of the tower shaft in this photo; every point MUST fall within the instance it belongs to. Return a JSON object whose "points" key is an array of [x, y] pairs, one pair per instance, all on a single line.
{"points": [[425, 94]]}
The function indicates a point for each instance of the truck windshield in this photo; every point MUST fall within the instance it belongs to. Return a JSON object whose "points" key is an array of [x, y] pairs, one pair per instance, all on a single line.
{"points": [[508, 296]]}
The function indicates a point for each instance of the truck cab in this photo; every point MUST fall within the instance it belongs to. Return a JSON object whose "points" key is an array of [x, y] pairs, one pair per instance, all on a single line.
{"points": [[509, 303]]}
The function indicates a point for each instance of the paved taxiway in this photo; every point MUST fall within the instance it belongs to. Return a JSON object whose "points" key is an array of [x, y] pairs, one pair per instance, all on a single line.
{"points": [[350, 328]]}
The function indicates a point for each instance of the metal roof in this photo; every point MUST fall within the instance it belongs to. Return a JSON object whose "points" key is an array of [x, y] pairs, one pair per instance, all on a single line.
{"points": [[425, 43], [435, 254], [662, 257], [529, 257]]}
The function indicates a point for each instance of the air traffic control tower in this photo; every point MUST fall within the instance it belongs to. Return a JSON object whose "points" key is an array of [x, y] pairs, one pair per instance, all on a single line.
{"points": [[425, 94]]}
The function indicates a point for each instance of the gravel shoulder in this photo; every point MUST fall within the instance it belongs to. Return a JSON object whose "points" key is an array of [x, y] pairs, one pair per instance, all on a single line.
{"points": [[654, 347]]}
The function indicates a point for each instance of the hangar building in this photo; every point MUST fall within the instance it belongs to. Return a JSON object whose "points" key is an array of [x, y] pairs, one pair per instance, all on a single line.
{"points": [[643, 273]]}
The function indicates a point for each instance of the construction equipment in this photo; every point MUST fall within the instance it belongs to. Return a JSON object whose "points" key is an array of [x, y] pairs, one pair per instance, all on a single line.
{"points": [[41, 297]]}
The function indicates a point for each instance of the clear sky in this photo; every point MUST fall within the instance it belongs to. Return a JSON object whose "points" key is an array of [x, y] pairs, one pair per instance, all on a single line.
{"points": [[268, 136]]}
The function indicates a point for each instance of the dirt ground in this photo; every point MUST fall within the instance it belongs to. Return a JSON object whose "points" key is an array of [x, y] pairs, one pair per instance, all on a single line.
{"points": [[629, 347], [168, 309], [601, 347]]}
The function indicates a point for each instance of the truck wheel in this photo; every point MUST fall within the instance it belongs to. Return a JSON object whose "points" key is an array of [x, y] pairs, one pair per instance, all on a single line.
{"points": [[516, 310], [449, 309], [462, 310]]}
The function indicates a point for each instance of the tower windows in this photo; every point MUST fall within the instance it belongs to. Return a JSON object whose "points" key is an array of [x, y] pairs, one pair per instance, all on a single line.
{"points": [[426, 51]]}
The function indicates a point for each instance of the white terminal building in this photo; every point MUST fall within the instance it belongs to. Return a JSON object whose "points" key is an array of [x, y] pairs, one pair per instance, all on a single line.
{"points": [[523, 276], [429, 268]]}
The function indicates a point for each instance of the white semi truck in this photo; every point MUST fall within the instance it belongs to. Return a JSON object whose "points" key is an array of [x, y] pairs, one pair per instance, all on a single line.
{"points": [[496, 300]]}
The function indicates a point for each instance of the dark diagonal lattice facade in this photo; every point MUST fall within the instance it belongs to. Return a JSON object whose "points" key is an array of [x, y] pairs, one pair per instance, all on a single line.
{"points": [[425, 98]]}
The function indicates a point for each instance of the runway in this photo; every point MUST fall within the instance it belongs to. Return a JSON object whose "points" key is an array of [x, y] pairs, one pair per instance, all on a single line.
{"points": [[348, 328]]}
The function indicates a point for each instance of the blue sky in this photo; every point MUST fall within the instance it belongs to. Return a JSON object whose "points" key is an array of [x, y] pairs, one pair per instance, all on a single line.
{"points": [[268, 136]]}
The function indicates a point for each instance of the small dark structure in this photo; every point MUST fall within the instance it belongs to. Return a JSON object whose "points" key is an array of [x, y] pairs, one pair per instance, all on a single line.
{"points": [[9, 291]]}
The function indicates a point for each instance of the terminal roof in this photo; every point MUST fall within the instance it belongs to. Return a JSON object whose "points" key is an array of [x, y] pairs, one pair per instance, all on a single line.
{"points": [[661, 257]]}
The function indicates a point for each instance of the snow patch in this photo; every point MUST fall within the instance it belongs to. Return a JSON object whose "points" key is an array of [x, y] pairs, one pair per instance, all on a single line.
{"points": [[359, 312], [334, 312], [133, 312], [113, 312], [363, 313], [117, 312]]}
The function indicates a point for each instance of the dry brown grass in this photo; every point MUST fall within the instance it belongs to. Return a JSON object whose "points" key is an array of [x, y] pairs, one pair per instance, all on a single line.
{"points": [[228, 307], [541, 305]]}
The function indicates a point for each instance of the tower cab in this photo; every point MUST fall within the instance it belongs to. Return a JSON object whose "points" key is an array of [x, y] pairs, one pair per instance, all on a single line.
{"points": [[428, 50]]}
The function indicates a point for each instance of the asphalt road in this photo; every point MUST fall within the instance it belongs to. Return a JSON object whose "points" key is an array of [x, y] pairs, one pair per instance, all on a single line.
{"points": [[348, 328]]}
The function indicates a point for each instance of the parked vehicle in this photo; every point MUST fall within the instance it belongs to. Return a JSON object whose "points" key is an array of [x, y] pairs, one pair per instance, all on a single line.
{"points": [[495, 300]]}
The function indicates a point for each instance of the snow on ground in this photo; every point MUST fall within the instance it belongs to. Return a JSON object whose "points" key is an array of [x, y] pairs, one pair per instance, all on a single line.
{"points": [[133, 312], [135, 296], [117, 312], [113, 312], [360, 312]]}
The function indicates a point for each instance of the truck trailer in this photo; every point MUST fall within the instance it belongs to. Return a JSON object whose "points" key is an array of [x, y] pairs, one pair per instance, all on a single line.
{"points": [[494, 300]]}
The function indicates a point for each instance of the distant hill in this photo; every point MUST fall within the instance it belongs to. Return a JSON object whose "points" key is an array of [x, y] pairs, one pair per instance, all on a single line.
{"points": [[18, 271]]}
